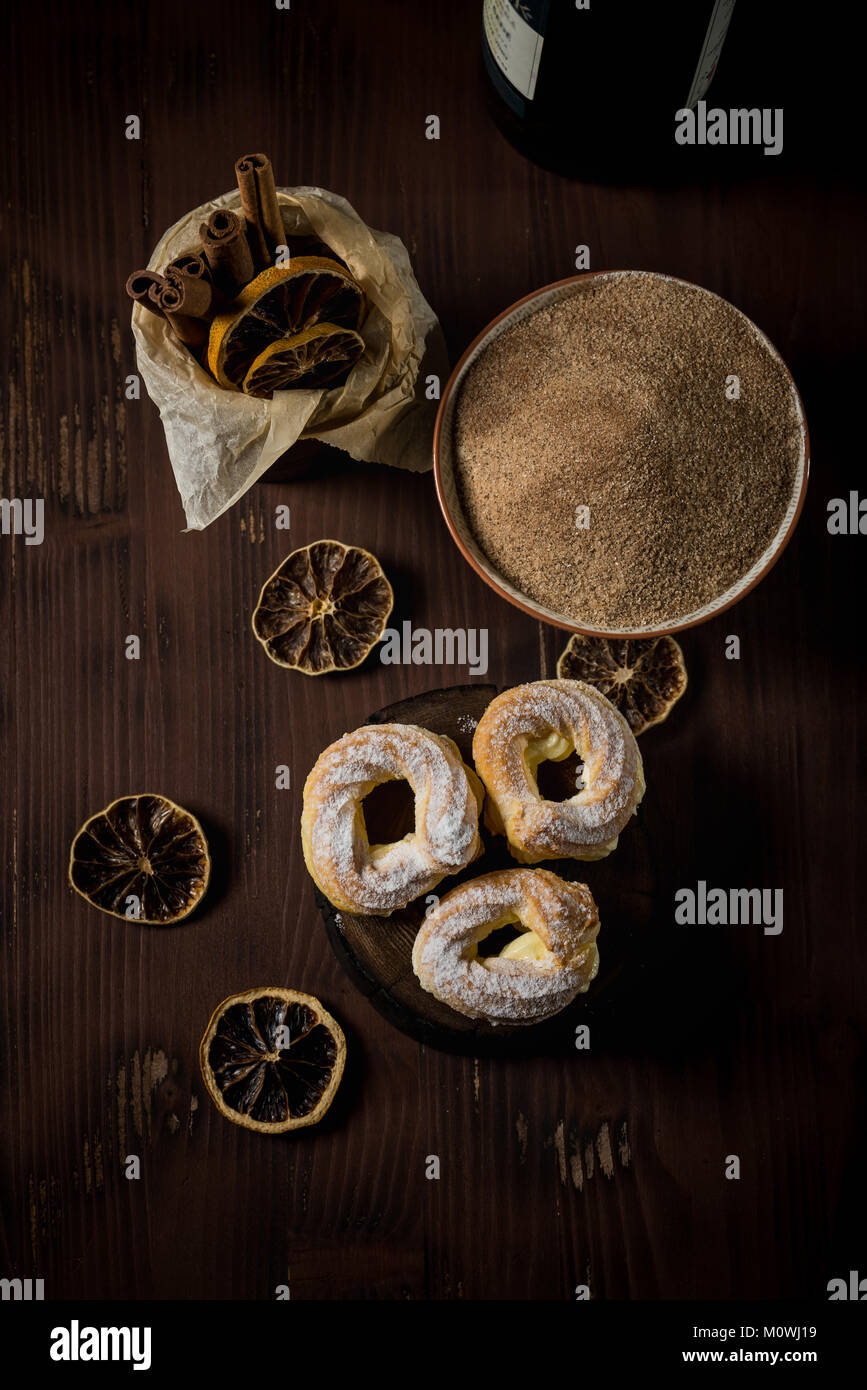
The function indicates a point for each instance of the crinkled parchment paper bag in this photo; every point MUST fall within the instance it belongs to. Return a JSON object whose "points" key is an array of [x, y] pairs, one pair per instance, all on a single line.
{"points": [[220, 442]]}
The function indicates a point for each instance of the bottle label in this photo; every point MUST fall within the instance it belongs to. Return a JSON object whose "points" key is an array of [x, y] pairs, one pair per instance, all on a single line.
{"points": [[514, 34], [711, 49]]}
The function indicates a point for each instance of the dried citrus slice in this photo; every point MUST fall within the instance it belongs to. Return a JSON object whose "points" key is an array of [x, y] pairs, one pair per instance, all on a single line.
{"points": [[272, 1059], [643, 678], [324, 609], [143, 858], [281, 302], [313, 358]]}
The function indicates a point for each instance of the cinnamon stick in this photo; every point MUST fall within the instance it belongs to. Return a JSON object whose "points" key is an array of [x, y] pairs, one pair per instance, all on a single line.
{"points": [[183, 293], [198, 268], [180, 299], [193, 333], [190, 264], [225, 248], [261, 209], [139, 286]]}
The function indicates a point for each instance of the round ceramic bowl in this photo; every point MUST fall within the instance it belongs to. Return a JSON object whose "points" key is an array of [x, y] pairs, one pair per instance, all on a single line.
{"points": [[450, 500]]}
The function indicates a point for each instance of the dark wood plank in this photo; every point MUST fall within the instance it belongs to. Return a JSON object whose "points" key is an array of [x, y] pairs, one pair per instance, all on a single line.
{"points": [[604, 1168]]}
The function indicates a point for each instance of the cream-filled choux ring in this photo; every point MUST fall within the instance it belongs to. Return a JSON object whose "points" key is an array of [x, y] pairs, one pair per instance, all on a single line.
{"points": [[535, 976], [549, 720], [359, 877]]}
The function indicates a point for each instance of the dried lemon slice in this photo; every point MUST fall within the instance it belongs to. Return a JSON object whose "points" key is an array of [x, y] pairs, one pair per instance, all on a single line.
{"points": [[280, 302], [324, 609], [643, 678], [143, 858], [311, 359], [272, 1059]]}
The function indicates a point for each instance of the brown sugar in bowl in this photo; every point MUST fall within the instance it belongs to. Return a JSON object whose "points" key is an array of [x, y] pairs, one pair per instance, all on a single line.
{"points": [[455, 512]]}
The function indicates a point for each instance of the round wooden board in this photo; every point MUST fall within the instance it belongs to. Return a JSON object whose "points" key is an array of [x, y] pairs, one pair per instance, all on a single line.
{"points": [[376, 952]]}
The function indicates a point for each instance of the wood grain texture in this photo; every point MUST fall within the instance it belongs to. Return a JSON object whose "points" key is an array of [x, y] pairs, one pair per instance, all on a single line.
{"points": [[607, 1167]]}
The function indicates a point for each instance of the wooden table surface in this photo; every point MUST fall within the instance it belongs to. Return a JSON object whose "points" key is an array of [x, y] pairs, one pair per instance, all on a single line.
{"points": [[607, 1167]]}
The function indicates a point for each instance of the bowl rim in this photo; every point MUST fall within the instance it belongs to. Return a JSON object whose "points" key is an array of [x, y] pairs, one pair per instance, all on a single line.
{"points": [[562, 621]]}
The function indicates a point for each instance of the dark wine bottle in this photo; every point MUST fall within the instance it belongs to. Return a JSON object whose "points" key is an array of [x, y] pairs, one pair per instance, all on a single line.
{"points": [[590, 86]]}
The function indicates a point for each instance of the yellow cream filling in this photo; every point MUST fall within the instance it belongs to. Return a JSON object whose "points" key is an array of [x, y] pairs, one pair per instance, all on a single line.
{"points": [[552, 748], [527, 946]]}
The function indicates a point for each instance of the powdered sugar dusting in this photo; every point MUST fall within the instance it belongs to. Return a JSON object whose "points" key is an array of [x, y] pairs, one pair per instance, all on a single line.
{"points": [[446, 836], [563, 915], [588, 823]]}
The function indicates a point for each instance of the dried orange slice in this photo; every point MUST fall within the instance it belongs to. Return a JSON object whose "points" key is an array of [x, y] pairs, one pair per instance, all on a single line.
{"points": [[281, 302], [643, 678], [324, 609], [272, 1059], [311, 359], [143, 858]]}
